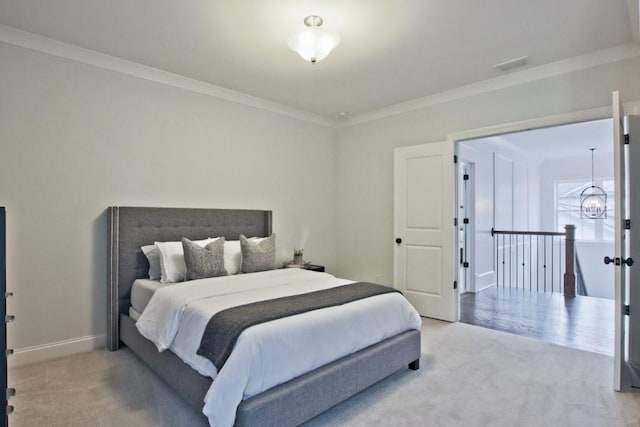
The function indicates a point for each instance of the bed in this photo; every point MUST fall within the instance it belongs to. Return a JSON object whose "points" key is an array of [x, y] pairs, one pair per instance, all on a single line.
{"points": [[290, 403]]}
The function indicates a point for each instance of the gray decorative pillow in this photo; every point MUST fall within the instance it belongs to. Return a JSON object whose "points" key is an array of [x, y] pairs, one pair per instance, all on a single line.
{"points": [[204, 262], [258, 255]]}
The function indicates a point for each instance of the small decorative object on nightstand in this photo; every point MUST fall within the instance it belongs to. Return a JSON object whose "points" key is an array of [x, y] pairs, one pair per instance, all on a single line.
{"points": [[314, 267], [298, 262]]}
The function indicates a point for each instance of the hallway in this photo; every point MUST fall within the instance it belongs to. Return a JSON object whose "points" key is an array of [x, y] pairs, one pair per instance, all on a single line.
{"points": [[585, 323]]}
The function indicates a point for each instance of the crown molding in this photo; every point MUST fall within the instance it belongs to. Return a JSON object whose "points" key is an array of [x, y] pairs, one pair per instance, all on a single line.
{"points": [[53, 47], [614, 54]]}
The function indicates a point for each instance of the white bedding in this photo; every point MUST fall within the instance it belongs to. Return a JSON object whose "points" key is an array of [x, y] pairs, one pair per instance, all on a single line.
{"points": [[274, 352], [141, 292]]}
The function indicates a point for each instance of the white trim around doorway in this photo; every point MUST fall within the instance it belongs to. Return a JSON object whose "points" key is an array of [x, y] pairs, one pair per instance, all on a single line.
{"points": [[632, 107]]}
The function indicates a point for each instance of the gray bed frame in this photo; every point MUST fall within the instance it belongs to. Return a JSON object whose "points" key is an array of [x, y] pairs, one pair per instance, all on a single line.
{"points": [[288, 404]]}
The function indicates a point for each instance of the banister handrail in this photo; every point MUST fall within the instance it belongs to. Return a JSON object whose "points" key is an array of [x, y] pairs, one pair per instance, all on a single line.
{"points": [[527, 233]]}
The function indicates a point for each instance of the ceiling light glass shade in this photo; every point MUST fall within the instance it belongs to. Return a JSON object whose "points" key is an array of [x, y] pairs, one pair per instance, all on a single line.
{"points": [[314, 43], [593, 203]]}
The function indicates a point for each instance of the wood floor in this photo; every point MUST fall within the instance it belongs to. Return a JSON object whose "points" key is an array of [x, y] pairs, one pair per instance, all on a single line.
{"points": [[586, 323]]}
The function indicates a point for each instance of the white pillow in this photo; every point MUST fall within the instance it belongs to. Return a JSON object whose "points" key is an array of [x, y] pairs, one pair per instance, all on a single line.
{"points": [[232, 256], [172, 266], [153, 257]]}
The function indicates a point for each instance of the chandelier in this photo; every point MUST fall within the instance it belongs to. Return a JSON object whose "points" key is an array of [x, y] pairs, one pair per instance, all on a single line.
{"points": [[593, 199]]}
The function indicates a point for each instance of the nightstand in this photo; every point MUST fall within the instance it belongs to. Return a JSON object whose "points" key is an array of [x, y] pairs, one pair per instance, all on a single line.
{"points": [[313, 267]]}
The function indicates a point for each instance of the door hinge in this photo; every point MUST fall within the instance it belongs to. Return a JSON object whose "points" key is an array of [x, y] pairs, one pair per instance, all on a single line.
{"points": [[465, 264], [455, 222], [626, 138], [465, 177], [465, 221], [627, 310], [455, 159], [627, 224], [455, 284]]}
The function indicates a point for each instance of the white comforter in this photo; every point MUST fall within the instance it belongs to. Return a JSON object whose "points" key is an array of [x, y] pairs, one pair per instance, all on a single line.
{"points": [[274, 352]]}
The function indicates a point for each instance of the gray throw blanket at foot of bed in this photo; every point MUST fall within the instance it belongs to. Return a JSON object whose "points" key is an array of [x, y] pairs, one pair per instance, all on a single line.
{"points": [[225, 327]]}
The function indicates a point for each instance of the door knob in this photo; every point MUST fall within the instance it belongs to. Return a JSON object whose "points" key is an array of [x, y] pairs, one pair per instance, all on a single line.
{"points": [[618, 261], [398, 240]]}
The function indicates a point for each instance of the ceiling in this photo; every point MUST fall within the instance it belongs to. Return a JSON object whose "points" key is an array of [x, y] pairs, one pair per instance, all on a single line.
{"points": [[391, 51]]}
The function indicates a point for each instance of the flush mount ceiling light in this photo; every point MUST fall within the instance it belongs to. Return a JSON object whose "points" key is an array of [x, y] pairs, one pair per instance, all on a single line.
{"points": [[314, 43], [593, 199]]}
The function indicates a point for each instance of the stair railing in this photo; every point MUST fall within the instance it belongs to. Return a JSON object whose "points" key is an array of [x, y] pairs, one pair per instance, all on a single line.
{"points": [[533, 260]]}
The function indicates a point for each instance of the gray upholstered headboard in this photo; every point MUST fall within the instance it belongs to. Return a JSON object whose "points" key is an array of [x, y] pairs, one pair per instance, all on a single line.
{"points": [[133, 227]]}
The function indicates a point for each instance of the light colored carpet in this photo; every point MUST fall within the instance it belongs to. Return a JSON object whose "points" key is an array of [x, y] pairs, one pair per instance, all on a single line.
{"points": [[469, 376]]}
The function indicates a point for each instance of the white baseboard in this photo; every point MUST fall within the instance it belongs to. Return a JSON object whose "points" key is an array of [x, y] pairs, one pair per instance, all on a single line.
{"points": [[491, 285], [41, 353], [484, 280]]}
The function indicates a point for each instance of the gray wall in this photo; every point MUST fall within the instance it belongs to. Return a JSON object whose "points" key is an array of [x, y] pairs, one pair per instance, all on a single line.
{"points": [[76, 139], [364, 202]]}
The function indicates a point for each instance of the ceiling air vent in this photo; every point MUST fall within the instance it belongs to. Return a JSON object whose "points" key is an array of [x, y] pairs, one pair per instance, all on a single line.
{"points": [[511, 64]]}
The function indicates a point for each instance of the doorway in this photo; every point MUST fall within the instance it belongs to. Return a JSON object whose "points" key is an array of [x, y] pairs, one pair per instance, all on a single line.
{"points": [[428, 267], [530, 181]]}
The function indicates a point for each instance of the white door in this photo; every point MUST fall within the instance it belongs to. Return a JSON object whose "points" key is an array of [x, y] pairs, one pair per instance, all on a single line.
{"points": [[633, 202], [627, 207], [464, 228], [424, 198]]}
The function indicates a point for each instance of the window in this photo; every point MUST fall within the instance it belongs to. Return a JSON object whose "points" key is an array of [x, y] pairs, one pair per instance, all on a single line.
{"points": [[567, 203]]}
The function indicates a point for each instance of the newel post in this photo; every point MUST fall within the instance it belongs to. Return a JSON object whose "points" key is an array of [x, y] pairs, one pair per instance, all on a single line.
{"points": [[570, 261]]}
